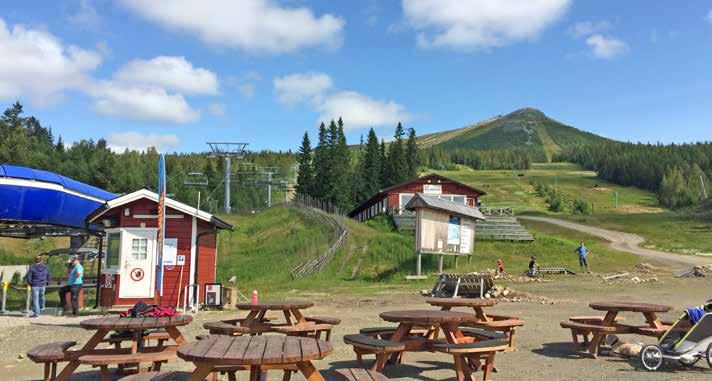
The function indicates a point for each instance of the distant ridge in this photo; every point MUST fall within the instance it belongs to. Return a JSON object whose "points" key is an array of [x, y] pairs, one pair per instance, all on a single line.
{"points": [[527, 128]]}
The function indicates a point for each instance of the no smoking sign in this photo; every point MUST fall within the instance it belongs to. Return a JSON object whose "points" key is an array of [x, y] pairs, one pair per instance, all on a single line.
{"points": [[137, 274]]}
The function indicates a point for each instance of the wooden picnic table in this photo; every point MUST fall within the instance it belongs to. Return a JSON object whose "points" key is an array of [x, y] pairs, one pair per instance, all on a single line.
{"points": [[447, 321], [291, 311], [490, 322], [255, 353], [649, 311], [104, 325], [477, 305]]}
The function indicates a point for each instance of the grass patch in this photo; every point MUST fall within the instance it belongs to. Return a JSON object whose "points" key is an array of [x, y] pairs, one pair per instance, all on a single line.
{"points": [[263, 263]]}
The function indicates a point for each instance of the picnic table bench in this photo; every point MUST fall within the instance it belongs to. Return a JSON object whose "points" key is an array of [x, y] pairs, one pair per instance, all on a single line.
{"points": [[611, 324], [356, 374]]}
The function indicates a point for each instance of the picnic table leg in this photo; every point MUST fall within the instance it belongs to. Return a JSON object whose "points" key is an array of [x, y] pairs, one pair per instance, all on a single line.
{"points": [[598, 337], [201, 371], [481, 314], [401, 332], [176, 335], [74, 364], [298, 315], [489, 367], [309, 371], [105, 373], [288, 317], [652, 319], [453, 335]]}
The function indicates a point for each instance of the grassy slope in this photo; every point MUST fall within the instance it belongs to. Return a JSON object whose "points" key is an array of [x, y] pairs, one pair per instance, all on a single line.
{"points": [[258, 252], [526, 128], [638, 210]]}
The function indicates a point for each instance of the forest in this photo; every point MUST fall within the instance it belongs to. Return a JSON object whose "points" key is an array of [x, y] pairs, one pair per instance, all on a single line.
{"points": [[678, 173], [345, 176], [24, 141]]}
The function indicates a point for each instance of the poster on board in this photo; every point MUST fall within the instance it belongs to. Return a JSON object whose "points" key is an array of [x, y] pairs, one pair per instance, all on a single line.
{"points": [[468, 228], [453, 231], [170, 251]]}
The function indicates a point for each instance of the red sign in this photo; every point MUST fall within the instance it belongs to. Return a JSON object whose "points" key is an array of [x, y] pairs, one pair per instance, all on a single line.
{"points": [[137, 274]]}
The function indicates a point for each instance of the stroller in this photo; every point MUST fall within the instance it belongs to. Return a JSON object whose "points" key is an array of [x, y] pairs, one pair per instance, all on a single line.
{"points": [[687, 341]]}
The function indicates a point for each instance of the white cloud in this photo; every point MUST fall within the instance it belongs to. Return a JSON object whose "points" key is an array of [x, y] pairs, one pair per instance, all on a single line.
{"points": [[86, 16], [478, 24], [247, 90], [217, 109], [303, 87], [36, 64], [708, 18], [136, 141], [259, 26], [358, 110], [173, 73], [606, 47], [587, 28], [141, 103]]}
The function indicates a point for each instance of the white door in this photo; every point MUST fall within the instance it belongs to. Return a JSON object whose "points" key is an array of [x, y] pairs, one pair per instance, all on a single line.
{"points": [[138, 263]]}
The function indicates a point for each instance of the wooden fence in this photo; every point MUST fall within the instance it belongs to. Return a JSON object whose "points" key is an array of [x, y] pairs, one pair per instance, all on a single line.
{"points": [[327, 214]]}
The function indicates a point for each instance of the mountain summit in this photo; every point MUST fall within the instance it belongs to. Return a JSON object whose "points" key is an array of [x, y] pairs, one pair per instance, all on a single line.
{"points": [[526, 128]]}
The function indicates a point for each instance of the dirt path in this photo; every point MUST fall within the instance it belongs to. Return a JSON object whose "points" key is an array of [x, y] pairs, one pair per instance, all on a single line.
{"points": [[627, 242]]}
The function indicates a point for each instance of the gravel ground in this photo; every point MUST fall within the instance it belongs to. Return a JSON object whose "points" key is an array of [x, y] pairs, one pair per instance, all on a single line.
{"points": [[545, 351]]}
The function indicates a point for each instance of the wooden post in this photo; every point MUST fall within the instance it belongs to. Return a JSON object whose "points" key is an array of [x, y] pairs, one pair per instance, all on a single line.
{"points": [[456, 259], [418, 266], [440, 264]]}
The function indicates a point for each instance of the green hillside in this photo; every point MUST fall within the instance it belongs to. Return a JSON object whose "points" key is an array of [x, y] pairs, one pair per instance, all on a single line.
{"points": [[527, 128], [264, 246]]}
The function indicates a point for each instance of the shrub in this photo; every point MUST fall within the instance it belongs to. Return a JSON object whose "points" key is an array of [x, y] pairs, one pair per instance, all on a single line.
{"points": [[582, 207]]}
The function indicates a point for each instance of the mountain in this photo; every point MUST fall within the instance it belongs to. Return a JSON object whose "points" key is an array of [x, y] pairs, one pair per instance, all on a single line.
{"points": [[526, 128]]}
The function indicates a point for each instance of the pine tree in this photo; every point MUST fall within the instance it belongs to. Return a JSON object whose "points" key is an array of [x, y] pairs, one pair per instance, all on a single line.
{"points": [[341, 169], [411, 154], [371, 167], [305, 177], [396, 166], [322, 169]]}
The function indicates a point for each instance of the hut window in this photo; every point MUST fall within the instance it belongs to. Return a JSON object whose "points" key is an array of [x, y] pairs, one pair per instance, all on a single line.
{"points": [[458, 199], [404, 199], [113, 246], [139, 248]]}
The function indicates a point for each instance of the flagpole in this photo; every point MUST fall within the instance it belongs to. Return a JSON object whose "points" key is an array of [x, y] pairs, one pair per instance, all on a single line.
{"points": [[161, 231]]}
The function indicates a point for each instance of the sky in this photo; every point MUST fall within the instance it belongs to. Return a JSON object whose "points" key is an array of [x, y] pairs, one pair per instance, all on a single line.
{"points": [[178, 73]]}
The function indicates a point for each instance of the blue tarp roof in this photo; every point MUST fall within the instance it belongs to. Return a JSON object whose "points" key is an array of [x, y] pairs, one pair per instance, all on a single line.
{"points": [[17, 172], [34, 203]]}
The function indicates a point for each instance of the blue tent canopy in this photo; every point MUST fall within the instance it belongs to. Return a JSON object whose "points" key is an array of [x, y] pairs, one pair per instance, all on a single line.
{"points": [[35, 198]]}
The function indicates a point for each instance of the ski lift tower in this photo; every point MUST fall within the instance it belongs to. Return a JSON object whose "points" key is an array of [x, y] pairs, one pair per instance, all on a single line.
{"points": [[228, 151]]}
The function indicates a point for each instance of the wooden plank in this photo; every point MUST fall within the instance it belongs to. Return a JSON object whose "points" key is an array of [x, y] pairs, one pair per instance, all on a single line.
{"points": [[274, 350], [253, 354], [292, 350]]}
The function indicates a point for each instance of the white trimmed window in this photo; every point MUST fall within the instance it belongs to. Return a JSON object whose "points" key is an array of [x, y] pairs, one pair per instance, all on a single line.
{"points": [[139, 248]]}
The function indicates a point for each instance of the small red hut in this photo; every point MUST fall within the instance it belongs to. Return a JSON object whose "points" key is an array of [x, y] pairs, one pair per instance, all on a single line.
{"points": [[394, 198], [128, 273]]}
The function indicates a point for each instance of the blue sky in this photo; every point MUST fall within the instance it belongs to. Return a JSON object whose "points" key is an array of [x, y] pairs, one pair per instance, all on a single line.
{"points": [[178, 73]]}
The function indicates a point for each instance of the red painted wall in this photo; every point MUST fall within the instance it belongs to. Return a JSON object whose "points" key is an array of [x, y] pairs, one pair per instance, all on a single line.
{"points": [[180, 228]]}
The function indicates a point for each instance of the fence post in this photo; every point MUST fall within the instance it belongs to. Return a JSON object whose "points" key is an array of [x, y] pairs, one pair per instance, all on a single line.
{"points": [[27, 301], [4, 297]]}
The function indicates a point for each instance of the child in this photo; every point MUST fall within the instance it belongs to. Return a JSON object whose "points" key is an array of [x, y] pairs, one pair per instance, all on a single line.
{"points": [[500, 266]]}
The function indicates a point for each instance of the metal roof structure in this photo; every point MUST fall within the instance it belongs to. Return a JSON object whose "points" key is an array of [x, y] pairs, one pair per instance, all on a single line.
{"points": [[425, 201], [37, 203]]}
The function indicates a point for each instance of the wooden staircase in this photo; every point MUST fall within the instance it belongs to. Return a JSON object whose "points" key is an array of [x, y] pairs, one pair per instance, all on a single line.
{"points": [[497, 228]]}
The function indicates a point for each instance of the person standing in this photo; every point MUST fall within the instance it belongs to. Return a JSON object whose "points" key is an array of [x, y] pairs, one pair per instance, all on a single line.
{"points": [[37, 279], [73, 287], [582, 252], [533, 267]]}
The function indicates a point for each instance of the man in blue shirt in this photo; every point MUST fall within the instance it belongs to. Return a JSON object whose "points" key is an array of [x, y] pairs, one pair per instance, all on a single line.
{"points": [[73, 287], [582, 251]]}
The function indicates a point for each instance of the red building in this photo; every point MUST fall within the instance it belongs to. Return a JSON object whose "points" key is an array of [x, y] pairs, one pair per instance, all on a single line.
{"points": [[128, 273], [395, 198]]}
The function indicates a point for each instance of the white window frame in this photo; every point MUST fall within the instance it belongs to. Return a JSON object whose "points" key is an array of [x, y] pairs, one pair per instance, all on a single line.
{"points": [[401, 204], [104, 262]]}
